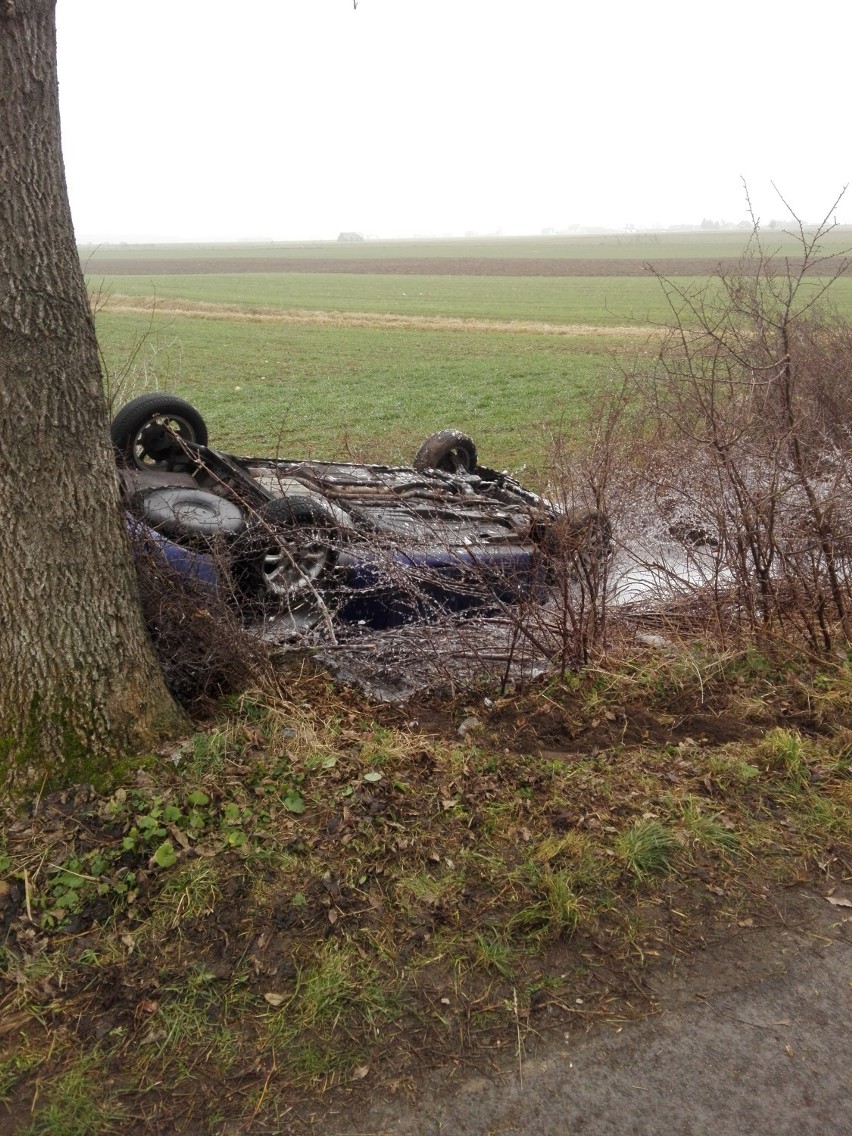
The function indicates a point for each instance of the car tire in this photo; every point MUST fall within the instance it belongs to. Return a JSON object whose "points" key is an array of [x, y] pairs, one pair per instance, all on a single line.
{"points": [[180, 513], [147, 432], [449, 451], [291, 543]]}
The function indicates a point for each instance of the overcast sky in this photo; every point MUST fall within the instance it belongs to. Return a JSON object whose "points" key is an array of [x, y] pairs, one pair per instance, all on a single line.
{"points": [[292, 119]]}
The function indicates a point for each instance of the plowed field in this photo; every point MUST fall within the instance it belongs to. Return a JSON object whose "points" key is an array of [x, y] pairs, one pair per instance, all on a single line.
{"points": [[430, 266]]}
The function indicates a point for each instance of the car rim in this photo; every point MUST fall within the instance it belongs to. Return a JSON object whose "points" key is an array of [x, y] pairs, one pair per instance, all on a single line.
{"points": [[456, 461], [156, 440], [293, 567]]}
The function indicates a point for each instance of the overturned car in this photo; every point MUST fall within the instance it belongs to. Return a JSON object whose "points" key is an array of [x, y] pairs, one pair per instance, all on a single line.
{"points": [[302, 541]]}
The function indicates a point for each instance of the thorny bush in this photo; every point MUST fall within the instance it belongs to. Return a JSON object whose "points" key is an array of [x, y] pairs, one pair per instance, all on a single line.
{"points": [[723, 471], [203, 648], [743, 469]]}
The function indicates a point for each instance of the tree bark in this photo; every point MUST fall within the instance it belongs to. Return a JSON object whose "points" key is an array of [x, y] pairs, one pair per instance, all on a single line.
{"points": [[78, 679]]}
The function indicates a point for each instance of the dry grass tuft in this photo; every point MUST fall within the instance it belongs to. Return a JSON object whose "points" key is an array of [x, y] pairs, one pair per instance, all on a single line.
{"points": [[145, 305]]}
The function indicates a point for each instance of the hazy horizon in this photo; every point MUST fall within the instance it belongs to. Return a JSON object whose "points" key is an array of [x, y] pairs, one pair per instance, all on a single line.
{"points": [[437, 238]]}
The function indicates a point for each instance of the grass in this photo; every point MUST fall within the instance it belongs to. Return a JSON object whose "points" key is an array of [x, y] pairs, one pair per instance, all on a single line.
{"points": [[77, 1103], [428, 910], [555, 910], [330, 364], [493, 951], [190, 893], [599, 301], [307, 390], [705, 828], [782, 753], [647, 848]]}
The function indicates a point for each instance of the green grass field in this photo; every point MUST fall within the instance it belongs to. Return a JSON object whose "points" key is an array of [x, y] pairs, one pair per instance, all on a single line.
{"points": [[601, 301], [312, 389], [316, 381]]}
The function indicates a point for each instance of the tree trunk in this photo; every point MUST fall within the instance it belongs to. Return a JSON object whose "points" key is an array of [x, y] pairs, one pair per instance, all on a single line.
{"points": [[78, 680]]}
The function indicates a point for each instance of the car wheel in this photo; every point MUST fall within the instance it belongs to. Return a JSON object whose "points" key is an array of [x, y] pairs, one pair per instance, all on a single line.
{"points": [[291, 545], [449, 451], [148, 431], [191, 512]]}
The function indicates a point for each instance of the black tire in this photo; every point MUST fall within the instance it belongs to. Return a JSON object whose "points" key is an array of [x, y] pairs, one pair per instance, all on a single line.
{"points": [[147, 432], [291, 543], [449, 451], [190, 513], [296, 509]]}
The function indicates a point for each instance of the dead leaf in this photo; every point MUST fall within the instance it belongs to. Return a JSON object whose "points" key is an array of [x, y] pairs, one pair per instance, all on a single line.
{"points": [[275, 1000], [332, 916], [837, 901], [360, 1072], [176, 833], [445, 805]]}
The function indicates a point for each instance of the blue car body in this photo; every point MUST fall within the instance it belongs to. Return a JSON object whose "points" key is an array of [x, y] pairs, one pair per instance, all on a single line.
{"points": [[371, 545]]}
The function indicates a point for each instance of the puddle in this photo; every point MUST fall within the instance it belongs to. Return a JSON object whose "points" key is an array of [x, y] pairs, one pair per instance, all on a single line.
{"points": [[506, 649], [645, 581]]}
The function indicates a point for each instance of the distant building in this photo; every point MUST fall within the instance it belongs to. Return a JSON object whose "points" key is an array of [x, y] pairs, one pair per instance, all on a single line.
{"points": [[349, 237]]}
